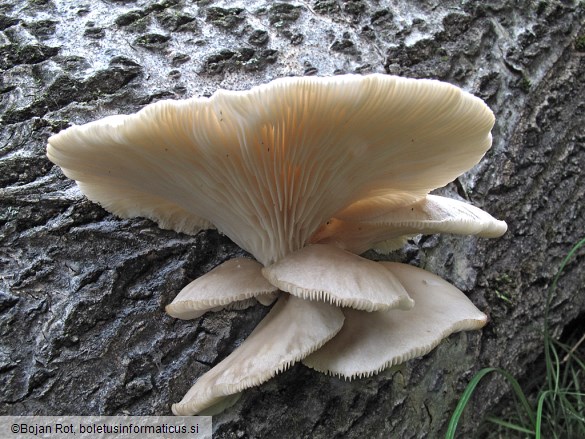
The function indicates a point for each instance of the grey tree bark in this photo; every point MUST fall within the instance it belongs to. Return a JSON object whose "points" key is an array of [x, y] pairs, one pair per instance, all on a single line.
{"points": [[82, 293]]}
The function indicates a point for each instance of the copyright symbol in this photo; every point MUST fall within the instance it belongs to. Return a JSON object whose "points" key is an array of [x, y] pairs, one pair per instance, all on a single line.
{"points": [[15, 428]]}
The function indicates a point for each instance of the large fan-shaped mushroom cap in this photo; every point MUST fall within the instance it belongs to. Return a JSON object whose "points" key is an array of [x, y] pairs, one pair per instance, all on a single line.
{"points": [[270, 165]]}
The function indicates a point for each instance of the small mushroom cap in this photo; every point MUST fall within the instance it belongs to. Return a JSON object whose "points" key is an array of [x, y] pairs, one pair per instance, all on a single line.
{"points": [[388, 228], [328, 273], [270, 165], [371, 342], [292, 329], [235, 281]]}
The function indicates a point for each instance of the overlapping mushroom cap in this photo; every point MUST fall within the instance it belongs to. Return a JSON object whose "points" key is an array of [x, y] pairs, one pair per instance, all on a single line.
{"points": [[304, 173]]}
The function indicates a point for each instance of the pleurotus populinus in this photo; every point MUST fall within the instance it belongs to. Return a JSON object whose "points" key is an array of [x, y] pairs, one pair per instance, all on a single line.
{"points": [[309, 167]]}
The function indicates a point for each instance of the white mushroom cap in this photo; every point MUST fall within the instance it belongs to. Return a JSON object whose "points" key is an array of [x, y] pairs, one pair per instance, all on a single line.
{"points": [[270, 165], [371, 342], [292, 329], [235, 282], [328, 273], [386, 230]]}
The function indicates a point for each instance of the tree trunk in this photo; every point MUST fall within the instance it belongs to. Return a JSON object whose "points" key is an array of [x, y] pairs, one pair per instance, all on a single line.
{"points": [[82, 293]]}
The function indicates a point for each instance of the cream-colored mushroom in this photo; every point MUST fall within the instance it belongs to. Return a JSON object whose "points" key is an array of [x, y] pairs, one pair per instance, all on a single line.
{"points": [[328, 161], [371, 342]]}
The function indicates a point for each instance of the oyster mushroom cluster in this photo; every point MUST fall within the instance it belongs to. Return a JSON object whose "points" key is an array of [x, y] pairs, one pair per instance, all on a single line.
{"points": [[305, 174]]}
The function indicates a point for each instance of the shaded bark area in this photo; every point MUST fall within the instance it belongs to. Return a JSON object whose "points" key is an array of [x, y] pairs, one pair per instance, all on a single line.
{"points": [[82, 293]]}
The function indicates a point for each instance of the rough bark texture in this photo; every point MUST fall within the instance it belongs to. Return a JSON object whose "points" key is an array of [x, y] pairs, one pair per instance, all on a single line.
{"points": [[82, 293]]}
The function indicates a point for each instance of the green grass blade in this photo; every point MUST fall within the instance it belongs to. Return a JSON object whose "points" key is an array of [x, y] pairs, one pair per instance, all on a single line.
{"points": [[468, 393], [539, 412], [510, 425]]}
